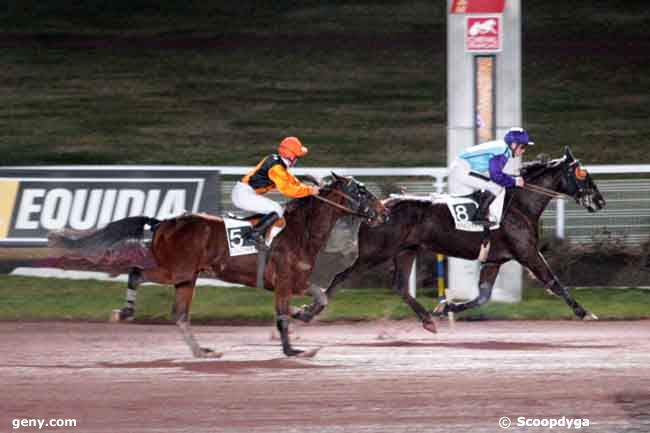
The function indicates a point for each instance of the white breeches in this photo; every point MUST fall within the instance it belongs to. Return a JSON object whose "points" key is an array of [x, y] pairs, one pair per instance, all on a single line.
{"points": [[461, 183], [245, 197]]}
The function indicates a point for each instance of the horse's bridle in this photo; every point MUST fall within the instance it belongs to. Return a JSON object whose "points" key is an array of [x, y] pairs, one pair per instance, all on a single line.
{"points": [[578, 186], [545, 191], [366, 212], [576, 177]]}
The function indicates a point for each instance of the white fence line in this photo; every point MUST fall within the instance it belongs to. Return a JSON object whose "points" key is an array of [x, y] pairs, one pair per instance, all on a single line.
{"points": [[437, 174]]}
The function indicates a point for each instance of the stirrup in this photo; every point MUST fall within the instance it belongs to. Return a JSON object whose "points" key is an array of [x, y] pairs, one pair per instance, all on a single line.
{"points": [[257, 239]]}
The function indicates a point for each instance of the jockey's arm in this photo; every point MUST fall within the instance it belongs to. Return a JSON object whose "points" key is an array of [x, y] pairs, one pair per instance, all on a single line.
{"points": [[287, 183], [496, 172]]}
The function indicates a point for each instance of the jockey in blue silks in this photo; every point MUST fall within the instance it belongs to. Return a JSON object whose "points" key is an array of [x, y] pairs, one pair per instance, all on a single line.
{"points": [[480, 168]]}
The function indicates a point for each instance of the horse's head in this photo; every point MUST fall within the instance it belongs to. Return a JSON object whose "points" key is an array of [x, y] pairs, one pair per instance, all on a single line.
{"points": [[359, 199], [578, 183]]}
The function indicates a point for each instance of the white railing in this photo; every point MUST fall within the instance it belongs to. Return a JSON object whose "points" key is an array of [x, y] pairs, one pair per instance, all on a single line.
{"points": [[637, 207], [437, 174]]}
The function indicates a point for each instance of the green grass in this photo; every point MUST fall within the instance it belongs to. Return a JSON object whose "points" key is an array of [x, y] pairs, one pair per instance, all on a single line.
{"points": [[207, 82], [26, 298]]}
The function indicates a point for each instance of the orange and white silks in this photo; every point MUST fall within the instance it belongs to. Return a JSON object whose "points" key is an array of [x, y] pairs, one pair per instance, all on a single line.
{"points": [[269, 174]]}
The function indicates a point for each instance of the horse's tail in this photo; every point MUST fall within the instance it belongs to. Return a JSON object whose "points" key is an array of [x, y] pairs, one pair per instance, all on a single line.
{"points": [[131, 228]]}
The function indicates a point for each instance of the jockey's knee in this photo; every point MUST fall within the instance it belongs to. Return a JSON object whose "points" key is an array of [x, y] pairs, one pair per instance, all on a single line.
{"points": [[279, 210]]}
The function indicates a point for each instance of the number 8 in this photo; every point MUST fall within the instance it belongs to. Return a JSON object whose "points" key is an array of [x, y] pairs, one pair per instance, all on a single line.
{"points": [[461, 213]]}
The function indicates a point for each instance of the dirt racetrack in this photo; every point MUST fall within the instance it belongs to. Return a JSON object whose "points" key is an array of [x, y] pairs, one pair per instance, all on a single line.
{"points": [[369, 377]]}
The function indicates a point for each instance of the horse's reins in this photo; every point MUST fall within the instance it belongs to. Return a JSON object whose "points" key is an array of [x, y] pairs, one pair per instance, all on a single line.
{"points": [[545, 191], [528, 186], [339, 206]]}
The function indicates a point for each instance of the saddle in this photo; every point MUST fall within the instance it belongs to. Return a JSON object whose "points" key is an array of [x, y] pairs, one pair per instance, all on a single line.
{"points": [[250, 218], [463, 208], [239, 242]]}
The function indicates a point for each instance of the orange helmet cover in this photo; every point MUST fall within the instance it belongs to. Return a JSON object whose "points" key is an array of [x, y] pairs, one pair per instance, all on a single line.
{"points": [[291, 147]]}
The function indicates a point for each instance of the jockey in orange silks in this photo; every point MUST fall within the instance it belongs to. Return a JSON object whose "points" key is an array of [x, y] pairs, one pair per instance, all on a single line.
{"points": [[269, 174]]}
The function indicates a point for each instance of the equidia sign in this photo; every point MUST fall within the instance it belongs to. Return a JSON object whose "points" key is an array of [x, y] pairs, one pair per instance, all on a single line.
{"points": [[34, 202]]}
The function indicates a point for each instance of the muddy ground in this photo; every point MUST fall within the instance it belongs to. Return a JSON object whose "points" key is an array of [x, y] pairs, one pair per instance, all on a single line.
{"points": [[368, 377]]}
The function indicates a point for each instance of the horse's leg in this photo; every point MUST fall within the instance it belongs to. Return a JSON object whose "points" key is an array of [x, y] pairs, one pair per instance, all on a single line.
{"points": [[282, 300], [403, 262], [308, 312], [488, 276], [184, 294], [342, 276], [136, 277], [539, 267], [282, 304]]}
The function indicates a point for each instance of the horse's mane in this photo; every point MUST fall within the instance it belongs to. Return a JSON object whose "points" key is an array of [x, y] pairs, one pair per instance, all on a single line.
{"points": [[535, 168], [298, 208], [297, 204]]}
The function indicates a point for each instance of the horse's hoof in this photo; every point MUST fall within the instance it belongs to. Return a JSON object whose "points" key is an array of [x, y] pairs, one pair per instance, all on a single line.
{"points": [[293, 352], [430, 326], [126, 314], [590, 317], [440, 310], [309, 353], [204, 352], [384, 335], [301, 313]]}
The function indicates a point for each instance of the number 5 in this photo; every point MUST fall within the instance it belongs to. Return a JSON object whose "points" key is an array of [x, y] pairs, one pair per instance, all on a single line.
{"points": [[236, 239]]}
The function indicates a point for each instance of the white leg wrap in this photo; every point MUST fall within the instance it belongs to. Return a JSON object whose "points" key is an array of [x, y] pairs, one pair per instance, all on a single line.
{"points": [[130, 296], [275, 230], [496, 208]]}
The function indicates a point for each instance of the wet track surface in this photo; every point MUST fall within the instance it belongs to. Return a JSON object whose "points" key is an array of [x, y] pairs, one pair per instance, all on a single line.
{"points": [[370, 377]]}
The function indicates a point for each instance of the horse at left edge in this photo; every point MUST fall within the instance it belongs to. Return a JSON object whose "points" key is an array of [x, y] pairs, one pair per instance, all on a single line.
{"points": [[187, 245]]}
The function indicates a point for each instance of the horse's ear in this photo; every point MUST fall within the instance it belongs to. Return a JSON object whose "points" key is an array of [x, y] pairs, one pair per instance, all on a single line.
{"points": [[568, 154], [310, 178], [336, 176]]}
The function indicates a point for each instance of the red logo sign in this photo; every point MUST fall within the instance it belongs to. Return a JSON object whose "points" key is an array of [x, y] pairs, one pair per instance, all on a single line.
{"points": [[483, 33], [477, 6]]}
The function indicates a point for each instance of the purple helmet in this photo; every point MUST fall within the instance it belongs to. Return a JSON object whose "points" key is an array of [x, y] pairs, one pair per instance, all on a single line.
{"points": [[517, 135]]}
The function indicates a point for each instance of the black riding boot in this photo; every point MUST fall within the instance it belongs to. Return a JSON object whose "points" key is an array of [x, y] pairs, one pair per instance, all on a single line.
{"points": [[258, 233], [482, 213]]}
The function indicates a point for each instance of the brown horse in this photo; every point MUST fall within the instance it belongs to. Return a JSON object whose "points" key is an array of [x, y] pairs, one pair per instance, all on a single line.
{"points": [[183, 247]]}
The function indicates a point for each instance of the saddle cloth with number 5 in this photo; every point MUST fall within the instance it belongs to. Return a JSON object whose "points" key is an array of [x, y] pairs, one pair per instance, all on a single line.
{"points": [[236, 232]]}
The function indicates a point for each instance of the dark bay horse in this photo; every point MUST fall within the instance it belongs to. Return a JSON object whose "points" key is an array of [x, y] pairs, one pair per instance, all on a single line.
{"points": [[183, 247], [417, 225]]}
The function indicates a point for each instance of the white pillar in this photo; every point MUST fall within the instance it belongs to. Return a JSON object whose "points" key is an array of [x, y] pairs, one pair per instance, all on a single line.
{"points": [[463, 274], [559, 218]]}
